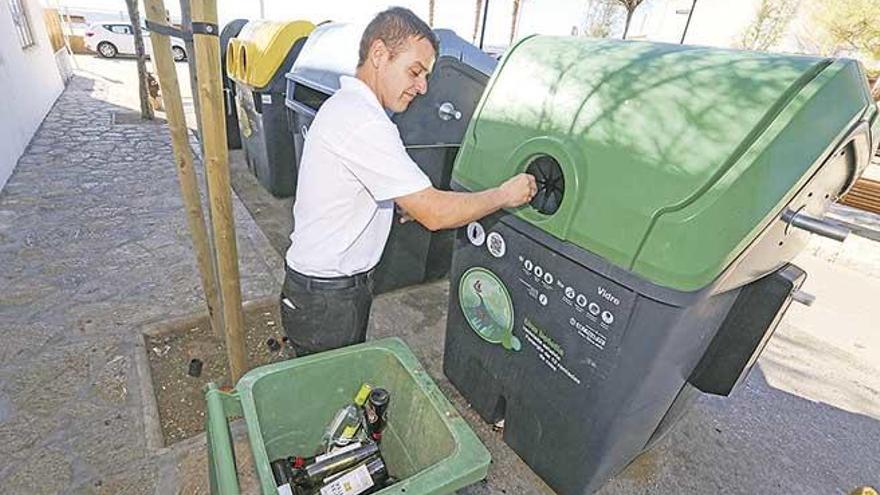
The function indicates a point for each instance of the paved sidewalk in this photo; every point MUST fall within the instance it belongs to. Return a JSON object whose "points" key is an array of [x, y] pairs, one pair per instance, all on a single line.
{"points": [[93, 244]]}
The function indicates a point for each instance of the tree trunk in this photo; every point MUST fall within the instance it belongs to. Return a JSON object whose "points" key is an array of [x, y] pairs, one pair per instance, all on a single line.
{"points": [[629, 16], [477, 13], [514, 19], [140, 53], [431, 7]]}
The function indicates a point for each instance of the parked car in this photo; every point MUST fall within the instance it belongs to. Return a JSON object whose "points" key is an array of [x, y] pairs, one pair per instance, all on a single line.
{"points": [[112, 39]]}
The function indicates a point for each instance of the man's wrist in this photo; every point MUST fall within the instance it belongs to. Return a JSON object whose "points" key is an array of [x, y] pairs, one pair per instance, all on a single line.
{"points": [[499, 198]]}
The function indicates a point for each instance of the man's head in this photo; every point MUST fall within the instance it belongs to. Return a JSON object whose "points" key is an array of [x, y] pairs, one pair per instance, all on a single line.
{"points": [[396, 55]]}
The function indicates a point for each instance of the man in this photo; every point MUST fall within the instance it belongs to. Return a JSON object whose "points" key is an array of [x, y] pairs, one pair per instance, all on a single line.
{"points": [[354, 168]]}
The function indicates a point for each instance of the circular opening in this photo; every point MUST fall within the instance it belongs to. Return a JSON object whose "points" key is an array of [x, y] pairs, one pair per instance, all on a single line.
{"points": [[243, 56], [551, 184]]}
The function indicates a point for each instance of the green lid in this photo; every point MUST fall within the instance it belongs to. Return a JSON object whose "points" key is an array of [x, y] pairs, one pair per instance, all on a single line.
{"points": [[673, 156]]}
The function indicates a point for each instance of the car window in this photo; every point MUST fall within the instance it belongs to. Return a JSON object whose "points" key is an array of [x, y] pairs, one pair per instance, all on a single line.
{"points": [[120, 29]]}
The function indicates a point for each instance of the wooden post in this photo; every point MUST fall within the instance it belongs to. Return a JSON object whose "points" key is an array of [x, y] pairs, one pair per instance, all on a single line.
{"points": [[210, 92], [186, 175]]}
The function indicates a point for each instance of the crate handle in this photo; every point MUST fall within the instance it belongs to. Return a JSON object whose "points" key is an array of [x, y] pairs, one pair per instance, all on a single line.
{"points": [[221, 454]]}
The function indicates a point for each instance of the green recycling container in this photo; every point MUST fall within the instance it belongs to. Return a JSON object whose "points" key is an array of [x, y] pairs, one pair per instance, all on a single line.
{"points": [[287, 405], [676, 185]]}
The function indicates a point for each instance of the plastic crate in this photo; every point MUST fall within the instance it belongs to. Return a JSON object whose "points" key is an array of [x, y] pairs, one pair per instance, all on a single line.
{"points": [[286, 406]]}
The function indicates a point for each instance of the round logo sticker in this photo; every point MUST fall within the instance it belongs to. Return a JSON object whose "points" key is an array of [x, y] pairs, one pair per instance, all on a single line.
{"points": [[487, 307], [476, 234], [496, 244]]}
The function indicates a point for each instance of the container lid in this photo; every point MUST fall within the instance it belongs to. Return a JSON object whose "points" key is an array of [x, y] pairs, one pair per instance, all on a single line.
{"points": [[256, 54], [672, 157]]}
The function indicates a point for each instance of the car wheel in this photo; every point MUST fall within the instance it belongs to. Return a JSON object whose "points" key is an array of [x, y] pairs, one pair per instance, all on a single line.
{"points": [[178, 53], [107, 49]]}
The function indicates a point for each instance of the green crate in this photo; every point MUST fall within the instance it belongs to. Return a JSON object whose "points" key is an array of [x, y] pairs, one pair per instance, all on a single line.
{"points": [[287, 405]]}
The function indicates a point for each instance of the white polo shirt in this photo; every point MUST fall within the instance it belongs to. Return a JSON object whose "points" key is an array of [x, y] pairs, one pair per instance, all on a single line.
{"points": [[353, 166]]}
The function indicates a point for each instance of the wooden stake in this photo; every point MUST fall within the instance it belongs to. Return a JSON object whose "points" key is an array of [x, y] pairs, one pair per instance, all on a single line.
{"points": [[210, 93], [186, 175]]}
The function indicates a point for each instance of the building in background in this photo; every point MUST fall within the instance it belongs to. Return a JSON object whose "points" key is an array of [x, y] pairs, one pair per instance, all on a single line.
{"points": [[30, 80]]}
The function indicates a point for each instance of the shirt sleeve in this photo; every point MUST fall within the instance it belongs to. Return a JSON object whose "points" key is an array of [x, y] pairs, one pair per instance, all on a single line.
{"points": [[375, 154]]}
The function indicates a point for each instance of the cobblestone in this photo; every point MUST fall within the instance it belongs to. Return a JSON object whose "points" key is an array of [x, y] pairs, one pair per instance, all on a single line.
{"points": [[93, 244]]}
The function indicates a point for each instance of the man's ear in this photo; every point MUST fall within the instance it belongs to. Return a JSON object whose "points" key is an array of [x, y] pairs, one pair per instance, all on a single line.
{"points": [[378, 52]]}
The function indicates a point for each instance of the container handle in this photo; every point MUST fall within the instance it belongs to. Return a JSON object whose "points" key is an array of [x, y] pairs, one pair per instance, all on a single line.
{"points": [[221, 454]]}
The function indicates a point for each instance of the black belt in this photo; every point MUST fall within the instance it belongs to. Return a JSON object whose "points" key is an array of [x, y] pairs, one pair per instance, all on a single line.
{"points": [[330, 283]]}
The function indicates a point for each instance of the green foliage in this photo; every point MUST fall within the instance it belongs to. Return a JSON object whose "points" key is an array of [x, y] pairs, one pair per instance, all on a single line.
{"points": [[602, 16], [772, 18], [847, 26]]}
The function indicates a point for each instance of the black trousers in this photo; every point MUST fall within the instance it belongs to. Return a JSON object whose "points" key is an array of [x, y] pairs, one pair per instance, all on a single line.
{"points": [[320, 314]]}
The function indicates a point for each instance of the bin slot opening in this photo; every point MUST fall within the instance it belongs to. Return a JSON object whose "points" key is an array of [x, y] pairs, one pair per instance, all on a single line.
{"points": [[309, 97]]}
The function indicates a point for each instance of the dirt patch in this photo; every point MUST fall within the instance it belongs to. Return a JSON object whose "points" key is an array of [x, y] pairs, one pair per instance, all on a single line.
{"points": [[170, 349]]}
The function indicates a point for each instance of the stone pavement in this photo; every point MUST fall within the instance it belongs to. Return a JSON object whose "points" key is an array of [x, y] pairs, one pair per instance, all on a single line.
{"points": [[93, 245]]}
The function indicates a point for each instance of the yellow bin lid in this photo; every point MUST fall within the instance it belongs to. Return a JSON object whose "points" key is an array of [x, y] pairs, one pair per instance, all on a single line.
{"points": [[254, 56]]}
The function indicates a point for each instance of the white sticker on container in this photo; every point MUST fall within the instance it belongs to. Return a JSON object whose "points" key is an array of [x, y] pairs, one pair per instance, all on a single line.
{"points": [[338, 451], [353, 483], [495, 243], [285, 489], [266, 98], [476, 234]]}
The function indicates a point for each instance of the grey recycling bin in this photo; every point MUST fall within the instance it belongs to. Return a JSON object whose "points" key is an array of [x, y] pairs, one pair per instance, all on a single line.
{"points": [[432, 129], [233, 137], [257, 60]]}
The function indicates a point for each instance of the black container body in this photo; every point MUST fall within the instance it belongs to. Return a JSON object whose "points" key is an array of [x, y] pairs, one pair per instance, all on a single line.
{"points": [[594, 365], [233, 137], [269, 151]]}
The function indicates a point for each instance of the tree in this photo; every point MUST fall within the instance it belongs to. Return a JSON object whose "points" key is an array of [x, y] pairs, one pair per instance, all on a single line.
{"points": [[847, 26], [771, 20], [140, 53], [630, 6], [601, 17], [517, 4]]}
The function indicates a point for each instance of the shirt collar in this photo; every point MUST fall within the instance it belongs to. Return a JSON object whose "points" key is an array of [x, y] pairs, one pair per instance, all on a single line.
{"points": [[355, 84]]}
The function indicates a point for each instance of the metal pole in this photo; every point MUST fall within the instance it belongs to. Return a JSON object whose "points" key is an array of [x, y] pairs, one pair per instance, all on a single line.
{"points": [[216, 159], [483, 29], [688, 23], [186, 174], [262, 9]]}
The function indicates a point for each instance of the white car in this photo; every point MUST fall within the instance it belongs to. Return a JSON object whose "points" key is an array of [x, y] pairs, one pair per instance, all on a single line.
{"points": [[111, 39]]}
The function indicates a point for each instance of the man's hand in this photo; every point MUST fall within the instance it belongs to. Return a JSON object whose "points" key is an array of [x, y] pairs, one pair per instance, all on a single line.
{"points": [[518, 190]]}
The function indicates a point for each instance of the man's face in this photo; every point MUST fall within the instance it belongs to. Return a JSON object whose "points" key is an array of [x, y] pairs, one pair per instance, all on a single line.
{"points": [[404, 76]]}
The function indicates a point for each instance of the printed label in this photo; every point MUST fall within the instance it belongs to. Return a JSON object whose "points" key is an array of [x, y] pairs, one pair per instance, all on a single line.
{"points": [[487, 307], [266, 98], [549, 351], [353, 483], [476, 234], [495, 243]]}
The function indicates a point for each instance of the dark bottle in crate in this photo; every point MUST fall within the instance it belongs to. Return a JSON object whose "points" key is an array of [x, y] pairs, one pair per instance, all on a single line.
{"points": [[284, 477], [376, 413]]}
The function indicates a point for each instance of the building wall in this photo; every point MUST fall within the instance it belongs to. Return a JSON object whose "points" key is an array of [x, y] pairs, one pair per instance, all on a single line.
{"points": [[29, 84]]}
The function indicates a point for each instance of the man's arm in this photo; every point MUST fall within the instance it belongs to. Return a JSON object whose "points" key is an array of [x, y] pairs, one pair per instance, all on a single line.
{"points": [[436, 209]]}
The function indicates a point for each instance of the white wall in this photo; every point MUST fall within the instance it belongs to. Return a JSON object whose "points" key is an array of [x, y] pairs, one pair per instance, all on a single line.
{"points": [[29, 85]]}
